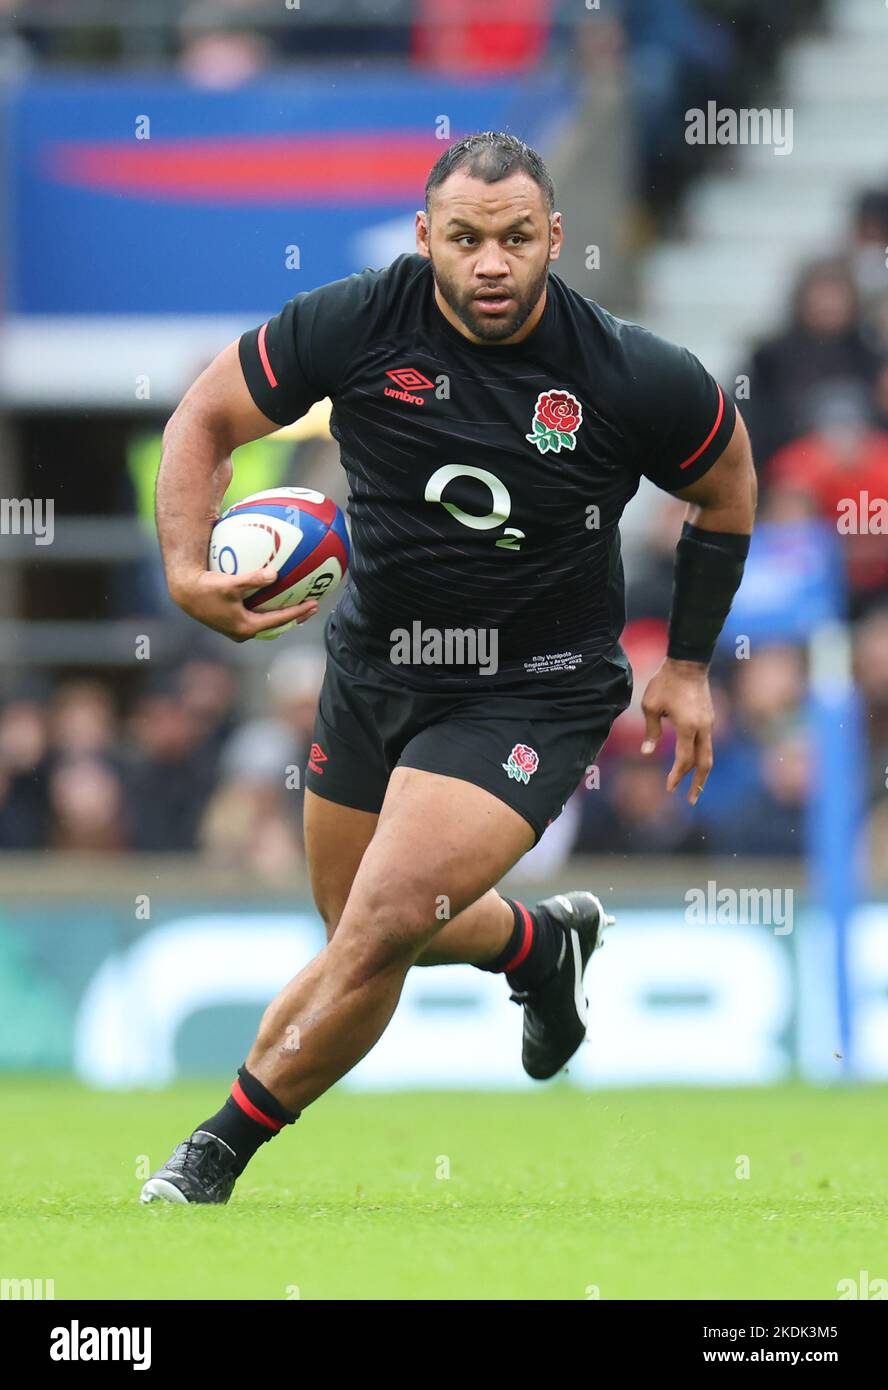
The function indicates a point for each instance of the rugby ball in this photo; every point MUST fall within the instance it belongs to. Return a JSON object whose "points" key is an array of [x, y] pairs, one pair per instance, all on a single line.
{"points": [[302, 533]]}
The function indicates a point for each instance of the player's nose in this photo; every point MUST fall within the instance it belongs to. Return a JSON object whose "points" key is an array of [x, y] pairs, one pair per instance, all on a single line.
{"points": [[490, 265]]}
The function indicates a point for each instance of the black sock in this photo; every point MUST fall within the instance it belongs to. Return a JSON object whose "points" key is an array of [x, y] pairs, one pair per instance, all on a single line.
{"points": [[250, 1117], [531, 952]]}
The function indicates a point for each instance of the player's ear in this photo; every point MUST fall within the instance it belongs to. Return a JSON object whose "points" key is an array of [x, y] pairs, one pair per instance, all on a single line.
{"points": [[556, 236], [422, 233]]}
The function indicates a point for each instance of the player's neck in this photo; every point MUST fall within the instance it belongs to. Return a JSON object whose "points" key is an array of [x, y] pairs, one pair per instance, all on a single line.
{"points": [[523, 332]]}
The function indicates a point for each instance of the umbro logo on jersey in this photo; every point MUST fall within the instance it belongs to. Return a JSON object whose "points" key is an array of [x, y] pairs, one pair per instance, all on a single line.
{"points": [[408, 379], [316, 756]]}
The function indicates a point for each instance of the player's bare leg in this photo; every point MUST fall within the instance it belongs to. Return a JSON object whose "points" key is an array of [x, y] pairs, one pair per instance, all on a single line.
{"points": [[335, 840], [436, 836], [438, 839]]}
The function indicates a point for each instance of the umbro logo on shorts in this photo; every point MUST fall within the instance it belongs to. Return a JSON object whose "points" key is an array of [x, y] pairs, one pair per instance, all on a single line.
{"points": [[316, 756], [408, 379]]}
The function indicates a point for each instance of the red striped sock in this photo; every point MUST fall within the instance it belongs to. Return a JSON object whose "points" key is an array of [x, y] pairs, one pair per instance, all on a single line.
{"points": [[249, 1118], [240, 1098], [532, 950]]}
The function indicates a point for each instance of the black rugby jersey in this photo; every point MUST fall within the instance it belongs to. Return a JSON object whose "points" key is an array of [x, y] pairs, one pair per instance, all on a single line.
{"points": [[486, 481]]}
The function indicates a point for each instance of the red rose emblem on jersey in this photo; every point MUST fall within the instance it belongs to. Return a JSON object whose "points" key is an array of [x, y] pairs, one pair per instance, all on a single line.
{"points": [[559, 410], [556, 418], [523, 762]]}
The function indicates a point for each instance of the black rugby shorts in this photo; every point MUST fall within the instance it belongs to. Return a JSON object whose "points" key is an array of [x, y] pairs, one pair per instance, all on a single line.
{"points": [[529, 750]]}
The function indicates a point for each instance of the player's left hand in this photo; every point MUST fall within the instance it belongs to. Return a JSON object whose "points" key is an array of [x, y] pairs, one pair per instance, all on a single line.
{"points": [[679, 692]]}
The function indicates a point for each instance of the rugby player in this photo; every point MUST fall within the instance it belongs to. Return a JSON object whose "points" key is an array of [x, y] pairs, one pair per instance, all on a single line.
{"points": [[493, 424]]}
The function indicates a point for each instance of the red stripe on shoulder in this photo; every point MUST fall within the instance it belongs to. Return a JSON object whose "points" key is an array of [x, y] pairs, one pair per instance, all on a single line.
{"points": [[263, 357], [710, 436]]}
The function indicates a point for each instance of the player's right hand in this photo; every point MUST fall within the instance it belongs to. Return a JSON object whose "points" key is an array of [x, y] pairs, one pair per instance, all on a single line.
{"points": [[217, 601]]}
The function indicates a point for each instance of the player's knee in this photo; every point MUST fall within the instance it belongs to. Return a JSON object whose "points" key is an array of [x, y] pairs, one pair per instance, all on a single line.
{"points": [[383, 931]]}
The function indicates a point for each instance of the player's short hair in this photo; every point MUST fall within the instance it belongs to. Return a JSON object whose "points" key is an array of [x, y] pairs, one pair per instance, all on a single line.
{"points": [[491, 155]]}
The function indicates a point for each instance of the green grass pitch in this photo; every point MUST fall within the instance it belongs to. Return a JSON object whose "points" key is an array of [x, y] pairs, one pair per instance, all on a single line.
{"points": [[554, 1194]]}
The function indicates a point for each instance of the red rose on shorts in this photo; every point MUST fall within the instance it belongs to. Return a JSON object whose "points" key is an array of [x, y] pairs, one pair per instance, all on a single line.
{"points": [[557, 417], [526, 758], [523, 762]]}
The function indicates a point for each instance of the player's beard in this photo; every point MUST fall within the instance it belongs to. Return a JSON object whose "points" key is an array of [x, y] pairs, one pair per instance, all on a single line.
{"points": [[465, 305]]}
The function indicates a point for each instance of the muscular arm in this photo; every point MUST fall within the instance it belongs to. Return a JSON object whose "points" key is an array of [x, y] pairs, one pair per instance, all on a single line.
{"points": [[214, 417], [723, 500]]}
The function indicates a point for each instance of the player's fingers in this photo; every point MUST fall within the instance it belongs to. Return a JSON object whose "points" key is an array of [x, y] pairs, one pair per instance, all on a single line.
{"points": [[245, 583], [684, 758], [300, 612], [702, 767], [652, 731]]}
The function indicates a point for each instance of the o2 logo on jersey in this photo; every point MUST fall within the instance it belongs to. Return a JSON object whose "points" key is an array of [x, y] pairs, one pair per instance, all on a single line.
{"points": [[500, 502]]}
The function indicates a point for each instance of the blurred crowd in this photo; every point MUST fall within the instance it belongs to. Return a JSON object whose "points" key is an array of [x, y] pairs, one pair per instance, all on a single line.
{"points": [[817, 406], [179, 768]]}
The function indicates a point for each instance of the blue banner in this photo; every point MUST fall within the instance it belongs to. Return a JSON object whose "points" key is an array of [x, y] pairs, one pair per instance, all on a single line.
{"points": [[143, 194]]}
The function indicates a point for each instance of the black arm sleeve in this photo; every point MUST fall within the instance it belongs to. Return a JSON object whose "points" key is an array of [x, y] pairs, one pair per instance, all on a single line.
{"points": [[708, 568]]}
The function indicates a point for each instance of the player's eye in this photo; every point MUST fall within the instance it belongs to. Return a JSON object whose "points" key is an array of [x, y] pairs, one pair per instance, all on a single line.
{"points": [[467, 238]]}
